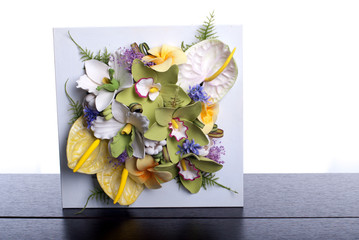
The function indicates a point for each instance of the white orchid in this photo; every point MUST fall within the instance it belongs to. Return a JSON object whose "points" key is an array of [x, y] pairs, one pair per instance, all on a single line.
{"points": [[124, 123], [98, 74]]}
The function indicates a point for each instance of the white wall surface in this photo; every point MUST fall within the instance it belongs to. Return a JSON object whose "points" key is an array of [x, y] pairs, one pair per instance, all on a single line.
{"points": [[301, 77]]}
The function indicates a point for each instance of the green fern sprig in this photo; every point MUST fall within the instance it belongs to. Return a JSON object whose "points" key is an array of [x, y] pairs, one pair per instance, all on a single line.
{"points": [[210, 180], [88, 55], [97, 194], [75, 107], [206, 31]]}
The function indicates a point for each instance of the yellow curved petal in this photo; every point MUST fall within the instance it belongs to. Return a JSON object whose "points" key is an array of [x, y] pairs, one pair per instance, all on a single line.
{"points": [[79, 140], [110, 180], [156, 51], [152, 183], [178, 57]]}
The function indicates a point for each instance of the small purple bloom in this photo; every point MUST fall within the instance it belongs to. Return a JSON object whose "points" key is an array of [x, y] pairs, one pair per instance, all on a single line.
{"points": [[116, 162], [197, 94], [188, 147], [90, 115], [215, 152], [128, 55]]}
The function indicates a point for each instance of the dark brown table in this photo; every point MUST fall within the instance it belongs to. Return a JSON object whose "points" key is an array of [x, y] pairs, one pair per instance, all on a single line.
{"points": [[277, 206]]}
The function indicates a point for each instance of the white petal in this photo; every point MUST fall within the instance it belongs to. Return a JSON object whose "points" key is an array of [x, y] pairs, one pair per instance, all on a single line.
{"points": [[87, 84], [180, 132], [143, 86], [119, 112], [139, 121], [89, 101], [138, 146], [203, 60], [105, 129], [190, 173], [153, 96], [121, 73], [104, 99], [96, 70]]}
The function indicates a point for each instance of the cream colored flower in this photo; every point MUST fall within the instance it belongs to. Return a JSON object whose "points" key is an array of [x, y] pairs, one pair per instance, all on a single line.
{"points": [[164, 57]]}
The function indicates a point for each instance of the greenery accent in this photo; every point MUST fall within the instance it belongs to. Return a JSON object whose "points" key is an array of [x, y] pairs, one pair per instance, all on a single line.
{"points": [[88, 55], [206, 31], [210, 180], [97, 194], [75, 107]]}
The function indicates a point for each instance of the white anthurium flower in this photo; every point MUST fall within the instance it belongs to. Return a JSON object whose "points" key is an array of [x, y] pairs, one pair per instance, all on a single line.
{"points": [[122, 118], [146, 87], [97, 74], [187, 170], [210, 63]]}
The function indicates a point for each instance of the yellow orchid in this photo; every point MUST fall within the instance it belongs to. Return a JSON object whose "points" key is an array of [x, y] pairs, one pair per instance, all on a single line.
{"points": [[164, 57], [208, 116]]}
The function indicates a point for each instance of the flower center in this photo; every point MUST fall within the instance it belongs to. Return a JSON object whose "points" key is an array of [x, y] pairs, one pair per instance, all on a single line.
{"points": [[174, 123], [127, 129], [106, 80], [153, 89], [183, 164]]}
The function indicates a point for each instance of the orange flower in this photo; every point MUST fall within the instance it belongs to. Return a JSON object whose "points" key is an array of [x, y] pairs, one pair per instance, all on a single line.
{"points": [[143, 171], [164, 57]]}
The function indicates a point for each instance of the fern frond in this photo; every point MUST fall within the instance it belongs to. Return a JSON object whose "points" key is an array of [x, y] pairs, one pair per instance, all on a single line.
{"points": [[88, 55], [97, 194], [206, 31], [210, 180], [75, 107]]}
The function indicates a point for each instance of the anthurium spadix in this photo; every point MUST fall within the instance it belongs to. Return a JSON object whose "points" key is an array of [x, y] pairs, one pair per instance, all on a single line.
{"points": [[210, 63]]}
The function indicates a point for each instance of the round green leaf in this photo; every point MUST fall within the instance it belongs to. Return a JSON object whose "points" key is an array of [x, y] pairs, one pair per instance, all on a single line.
{"points": [[192, 186]]}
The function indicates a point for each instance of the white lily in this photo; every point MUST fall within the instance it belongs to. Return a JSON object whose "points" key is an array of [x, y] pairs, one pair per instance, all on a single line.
{"points": [[97, 74]]}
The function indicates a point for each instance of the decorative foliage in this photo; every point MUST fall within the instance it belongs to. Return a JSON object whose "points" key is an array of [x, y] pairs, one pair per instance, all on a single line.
{"points": [[88, 55], [210, 180], [97, 194], [75, 107], [206, 31]]}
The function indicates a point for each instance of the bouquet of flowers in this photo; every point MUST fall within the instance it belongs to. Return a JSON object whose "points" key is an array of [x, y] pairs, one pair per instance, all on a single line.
{"points": [[150, 114]]}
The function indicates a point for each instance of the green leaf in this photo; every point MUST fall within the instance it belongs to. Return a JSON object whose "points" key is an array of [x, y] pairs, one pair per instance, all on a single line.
{"points": [[190, 112], [196, 133], [140, 70], [173, 149], [157, 132], [206, 164], [75, 107], [164, 116], [168, 167], [192, 186], [119, 144], [129, 148], [174, 96], [168, 77]]}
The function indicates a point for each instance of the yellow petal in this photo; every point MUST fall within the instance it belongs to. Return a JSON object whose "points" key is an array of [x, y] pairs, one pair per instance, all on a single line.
{"points": [[110, 180], [178, 57], [208, 116], [152, 183], [163, 67], [145, 163], [156, 51]]}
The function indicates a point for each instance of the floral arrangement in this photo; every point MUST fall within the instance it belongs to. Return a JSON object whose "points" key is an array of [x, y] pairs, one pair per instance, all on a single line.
{"points": [[150, 115]]}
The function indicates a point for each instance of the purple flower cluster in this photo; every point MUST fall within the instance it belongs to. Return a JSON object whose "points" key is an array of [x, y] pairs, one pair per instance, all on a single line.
{"points": [[90, 115], [197, 94], [188, 147], [127, 57], [215, 152], [116, 162]]}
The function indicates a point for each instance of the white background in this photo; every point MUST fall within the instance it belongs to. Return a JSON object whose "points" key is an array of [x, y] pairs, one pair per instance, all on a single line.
{"points": [[301, 77]]}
